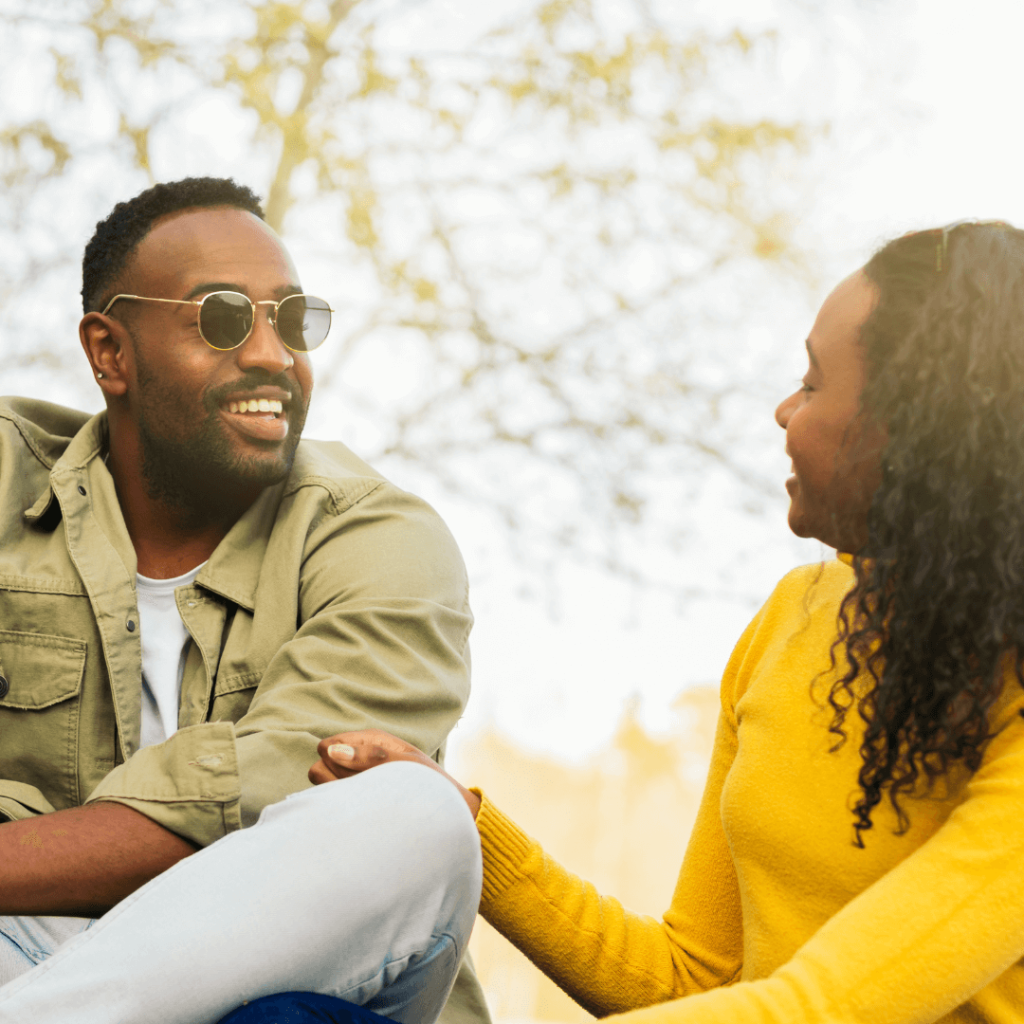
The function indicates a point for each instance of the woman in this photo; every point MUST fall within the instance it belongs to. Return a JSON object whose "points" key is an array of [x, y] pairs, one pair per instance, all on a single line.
{"points": [[859, 851]]}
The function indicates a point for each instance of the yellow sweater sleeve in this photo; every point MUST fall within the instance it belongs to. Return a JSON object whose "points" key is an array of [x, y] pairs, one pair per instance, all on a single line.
{"points": [[608, 959]]}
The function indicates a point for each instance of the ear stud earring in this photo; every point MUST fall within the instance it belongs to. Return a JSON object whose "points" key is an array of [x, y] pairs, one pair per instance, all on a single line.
{"points": [[100, 375]]}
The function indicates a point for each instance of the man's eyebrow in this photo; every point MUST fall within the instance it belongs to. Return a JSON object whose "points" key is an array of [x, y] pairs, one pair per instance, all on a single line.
{"points": [[227, 286], [810, 354], [212, 286]]}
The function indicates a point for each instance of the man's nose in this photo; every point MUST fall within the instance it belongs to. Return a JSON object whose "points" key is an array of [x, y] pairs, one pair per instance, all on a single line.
{"points": [[264, 347]]}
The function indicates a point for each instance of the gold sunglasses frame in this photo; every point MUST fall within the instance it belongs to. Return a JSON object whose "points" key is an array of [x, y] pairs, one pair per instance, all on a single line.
{"points": [[271, 315]]}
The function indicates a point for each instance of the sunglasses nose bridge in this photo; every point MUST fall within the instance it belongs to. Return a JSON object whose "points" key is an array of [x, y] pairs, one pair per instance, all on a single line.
{"points": [[271, 312]]}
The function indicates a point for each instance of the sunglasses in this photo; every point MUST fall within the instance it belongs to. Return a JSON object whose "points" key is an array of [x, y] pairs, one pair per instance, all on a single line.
{"points": [[226, 318]]}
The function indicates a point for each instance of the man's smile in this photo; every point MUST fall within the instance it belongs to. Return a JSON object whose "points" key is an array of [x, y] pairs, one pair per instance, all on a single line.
{"points": [[256, 405], [261, 413], [257, 415]]}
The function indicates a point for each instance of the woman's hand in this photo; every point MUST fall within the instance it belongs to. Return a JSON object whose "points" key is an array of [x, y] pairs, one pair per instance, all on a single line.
{"points": [[349, 753]]}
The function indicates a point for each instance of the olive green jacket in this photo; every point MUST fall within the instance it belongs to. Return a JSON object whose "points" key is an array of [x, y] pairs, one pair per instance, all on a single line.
{"points": [[336, 602]]}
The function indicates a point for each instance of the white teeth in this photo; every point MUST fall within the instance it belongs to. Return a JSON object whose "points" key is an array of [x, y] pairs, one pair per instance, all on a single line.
{"points": [[257, 405]]}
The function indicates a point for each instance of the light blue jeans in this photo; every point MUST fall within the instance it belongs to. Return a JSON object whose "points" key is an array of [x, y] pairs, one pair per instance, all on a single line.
{"points": [[365, 889]]}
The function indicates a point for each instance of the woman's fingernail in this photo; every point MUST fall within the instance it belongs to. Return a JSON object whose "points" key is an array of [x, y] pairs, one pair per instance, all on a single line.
{"points": [[341, 752]]}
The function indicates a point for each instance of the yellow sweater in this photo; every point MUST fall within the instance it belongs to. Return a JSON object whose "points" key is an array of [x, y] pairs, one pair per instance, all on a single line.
{"points": [[777, 916]]}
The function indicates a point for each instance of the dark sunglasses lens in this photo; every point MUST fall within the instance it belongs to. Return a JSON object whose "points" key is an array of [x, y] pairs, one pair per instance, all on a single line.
{"points": [[225, 319], [303, 322]]}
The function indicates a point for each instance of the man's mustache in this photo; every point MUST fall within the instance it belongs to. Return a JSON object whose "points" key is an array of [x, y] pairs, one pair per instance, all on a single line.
{"points": [[216, 397]]}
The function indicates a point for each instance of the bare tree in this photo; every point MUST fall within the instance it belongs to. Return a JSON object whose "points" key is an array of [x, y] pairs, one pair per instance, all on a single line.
{"points": [[536, 226]]}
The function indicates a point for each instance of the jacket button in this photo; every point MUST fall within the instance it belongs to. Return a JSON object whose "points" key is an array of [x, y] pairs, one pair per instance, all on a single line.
{"points": [[81, 489], [131, 625], [4, 686]]}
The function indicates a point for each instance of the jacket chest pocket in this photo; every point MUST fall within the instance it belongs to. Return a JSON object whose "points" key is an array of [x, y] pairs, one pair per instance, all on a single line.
{"points": [[40, 689], [231, 698]]}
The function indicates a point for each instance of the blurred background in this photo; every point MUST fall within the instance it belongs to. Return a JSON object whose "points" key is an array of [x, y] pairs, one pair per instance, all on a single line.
{"points": [[575, 247]]}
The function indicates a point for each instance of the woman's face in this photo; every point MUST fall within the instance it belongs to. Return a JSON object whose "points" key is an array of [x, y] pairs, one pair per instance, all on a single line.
{"points": [[835, 456]]}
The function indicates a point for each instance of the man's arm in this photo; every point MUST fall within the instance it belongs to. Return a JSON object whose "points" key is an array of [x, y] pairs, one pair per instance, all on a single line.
{"points": [[82, 861], [380, 598]]}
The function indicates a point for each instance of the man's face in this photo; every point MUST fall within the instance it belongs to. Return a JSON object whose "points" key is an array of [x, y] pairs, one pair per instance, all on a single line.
{"points": [[184, 391]]}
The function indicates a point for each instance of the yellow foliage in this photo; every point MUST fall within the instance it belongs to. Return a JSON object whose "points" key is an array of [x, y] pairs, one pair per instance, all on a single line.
{"points": [[630, 505], [139, 138], [743, 41], [450, 118], [19, 143], [554, 12], [424, 290], [771, 239], [109, 21], [519, 90], [373, 79], [613, 69], [646, 756], [561, 179], [65, 74], [275, 20], [296, 139], [658, 44], [359, 221]]}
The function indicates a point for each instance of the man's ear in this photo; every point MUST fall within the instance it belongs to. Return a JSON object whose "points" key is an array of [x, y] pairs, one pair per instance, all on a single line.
{"points": [[103, 339]]}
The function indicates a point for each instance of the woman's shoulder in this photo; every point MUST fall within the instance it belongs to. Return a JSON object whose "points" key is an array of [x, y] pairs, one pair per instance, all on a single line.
{"points": [[810, 590], [799, 618]]}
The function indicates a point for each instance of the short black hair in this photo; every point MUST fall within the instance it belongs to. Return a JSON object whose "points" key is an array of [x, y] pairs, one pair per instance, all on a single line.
{"points": [[111, 247]]}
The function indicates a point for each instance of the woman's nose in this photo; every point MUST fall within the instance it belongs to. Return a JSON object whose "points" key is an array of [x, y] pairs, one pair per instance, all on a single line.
{"points": [[785, 410]]}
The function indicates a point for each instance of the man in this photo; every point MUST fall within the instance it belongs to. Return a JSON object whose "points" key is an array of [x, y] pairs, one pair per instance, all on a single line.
{"points": [[189, 597]]}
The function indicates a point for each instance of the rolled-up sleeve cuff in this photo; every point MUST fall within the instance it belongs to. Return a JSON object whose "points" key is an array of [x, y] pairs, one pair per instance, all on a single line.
{"points": [[189, 783], [19, 800]]}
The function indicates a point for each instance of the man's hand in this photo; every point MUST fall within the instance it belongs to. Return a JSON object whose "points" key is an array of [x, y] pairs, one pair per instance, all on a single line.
{"points": [[349, 753]]}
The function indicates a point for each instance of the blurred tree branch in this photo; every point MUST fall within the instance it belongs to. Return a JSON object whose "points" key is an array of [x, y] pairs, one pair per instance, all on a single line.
{"points": [[534, 234]]}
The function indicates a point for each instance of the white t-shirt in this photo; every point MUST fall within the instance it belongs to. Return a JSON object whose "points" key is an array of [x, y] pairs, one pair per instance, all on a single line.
{"points": [[164, 646]]}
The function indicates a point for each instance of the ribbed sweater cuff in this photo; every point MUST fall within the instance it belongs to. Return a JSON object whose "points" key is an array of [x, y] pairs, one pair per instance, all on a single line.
{"points": [[504, 845]]}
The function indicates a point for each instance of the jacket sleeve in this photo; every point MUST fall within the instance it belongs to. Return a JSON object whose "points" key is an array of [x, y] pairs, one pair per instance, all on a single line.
{"points": [[18, 801], [607, 958], [382, 642]]}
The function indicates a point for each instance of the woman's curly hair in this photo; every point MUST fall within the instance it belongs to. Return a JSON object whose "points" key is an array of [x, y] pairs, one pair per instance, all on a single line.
{"points": [[936, 615]]}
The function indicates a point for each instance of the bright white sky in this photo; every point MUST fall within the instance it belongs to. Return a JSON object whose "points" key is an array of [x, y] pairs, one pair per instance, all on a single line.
{"points": [[949, 147], [554, 672]]}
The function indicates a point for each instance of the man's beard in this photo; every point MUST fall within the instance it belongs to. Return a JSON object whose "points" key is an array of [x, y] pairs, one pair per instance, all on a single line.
{"points": [[201, 473]]}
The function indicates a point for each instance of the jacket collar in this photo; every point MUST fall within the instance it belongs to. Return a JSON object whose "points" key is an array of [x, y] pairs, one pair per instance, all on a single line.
{"points": [[88, 443], [233, 570]]}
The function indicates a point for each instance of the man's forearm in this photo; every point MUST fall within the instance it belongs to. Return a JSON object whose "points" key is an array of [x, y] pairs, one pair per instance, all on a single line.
{"points": [[82, 861]]}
